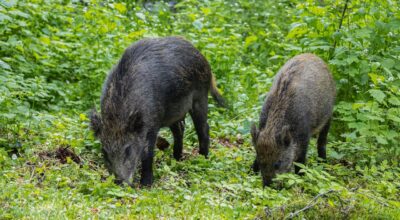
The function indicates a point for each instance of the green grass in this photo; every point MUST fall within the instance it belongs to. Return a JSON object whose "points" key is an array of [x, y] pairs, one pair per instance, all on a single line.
{"points": [[36, 185]]}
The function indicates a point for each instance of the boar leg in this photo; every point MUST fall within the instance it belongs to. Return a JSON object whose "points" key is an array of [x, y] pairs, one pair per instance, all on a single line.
{"points": [[301, 155], [199, 117], [147, 161], [302, 160], [177, 130], [322, 138], [255, 166]]}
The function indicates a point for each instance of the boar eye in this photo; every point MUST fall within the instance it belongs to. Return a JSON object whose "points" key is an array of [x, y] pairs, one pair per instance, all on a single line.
{"points": [[128, 151], [277, 165], [286, 141], [105, 155]]}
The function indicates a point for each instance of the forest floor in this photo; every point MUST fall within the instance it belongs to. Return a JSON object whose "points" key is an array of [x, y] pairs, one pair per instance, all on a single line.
{"points": [[52, 181]]}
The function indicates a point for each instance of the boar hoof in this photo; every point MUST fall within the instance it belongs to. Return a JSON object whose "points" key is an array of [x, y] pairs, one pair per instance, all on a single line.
{"points": [[204, 153], [255, 167], [146, 182], [178, 157]]}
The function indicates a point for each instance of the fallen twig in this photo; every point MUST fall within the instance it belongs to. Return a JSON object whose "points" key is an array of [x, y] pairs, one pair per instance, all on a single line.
{"points": [[311, 204], [376, 199]]}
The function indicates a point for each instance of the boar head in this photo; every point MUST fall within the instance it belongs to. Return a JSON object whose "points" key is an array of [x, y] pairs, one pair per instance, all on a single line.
{"points": [[275, 151], [123, 143]]}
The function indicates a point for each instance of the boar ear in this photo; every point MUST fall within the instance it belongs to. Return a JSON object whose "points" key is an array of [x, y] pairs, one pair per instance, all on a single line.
{"points": [[135, 122], [286, 137], [254, 133], [95, 122]]}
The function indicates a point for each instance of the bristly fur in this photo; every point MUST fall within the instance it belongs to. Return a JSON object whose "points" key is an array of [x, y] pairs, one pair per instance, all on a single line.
{"points": [[299, 104], [216, 94], [155, 84], [95, 122]]}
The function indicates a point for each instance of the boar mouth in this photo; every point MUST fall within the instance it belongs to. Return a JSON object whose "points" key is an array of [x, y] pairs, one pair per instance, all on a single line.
{"points": [[120, 182], [267, 182]]}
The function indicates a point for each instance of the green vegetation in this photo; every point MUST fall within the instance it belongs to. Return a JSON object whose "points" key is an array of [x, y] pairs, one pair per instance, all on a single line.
{"points": [[55, 54]]}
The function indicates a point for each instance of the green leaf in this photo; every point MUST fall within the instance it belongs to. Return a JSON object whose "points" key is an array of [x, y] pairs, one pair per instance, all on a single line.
{"points": [[388, 63], [338, 62], [376, 78], [336, 155], [394, 100], [198, 24], [382, 140], [363, 33], [141, 16], [4, 17], [45, 40], [120, 7], [8, 3], [249, 40], [378, 95], [20, 13], [4, 65], [352, 59], [206, 11], [394, 114], [296, 30]]}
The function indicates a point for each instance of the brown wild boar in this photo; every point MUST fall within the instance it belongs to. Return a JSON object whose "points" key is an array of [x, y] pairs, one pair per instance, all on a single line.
{"points": [[156, 82], [299, 105]]}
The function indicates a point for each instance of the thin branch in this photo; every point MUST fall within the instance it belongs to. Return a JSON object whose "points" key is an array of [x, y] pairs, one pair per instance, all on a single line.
{"points": [[343, 13], [311, 204], [376, 199], [340, 27]]}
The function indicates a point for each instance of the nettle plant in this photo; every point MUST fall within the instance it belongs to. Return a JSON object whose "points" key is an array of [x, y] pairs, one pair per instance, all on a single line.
{"points": [[367, 66], [374, 122], [362, 49]]}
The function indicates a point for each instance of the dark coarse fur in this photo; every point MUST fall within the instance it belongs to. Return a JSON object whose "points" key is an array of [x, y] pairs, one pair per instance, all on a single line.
{"points": [[156, 82], [299, 105]]}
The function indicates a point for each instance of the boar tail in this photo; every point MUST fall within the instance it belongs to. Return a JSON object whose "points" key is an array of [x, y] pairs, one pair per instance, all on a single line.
{"points": [[216, 94]]}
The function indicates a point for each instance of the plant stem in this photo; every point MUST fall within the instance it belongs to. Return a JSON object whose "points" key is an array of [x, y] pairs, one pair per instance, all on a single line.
{"points": [[340, 27]]}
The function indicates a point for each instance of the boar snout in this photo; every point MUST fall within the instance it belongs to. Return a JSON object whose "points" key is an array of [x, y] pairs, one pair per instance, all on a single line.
{"points": [[120, 182], [120, 179], [267, 181]]}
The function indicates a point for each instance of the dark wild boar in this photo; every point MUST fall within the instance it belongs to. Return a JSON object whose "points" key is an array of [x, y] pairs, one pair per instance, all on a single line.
{"points": [[156, 82], [299, 105]]}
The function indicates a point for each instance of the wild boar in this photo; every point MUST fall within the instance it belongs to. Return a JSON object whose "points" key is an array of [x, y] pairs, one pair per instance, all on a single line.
{"points": [[156, 82], [299, 105]]}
